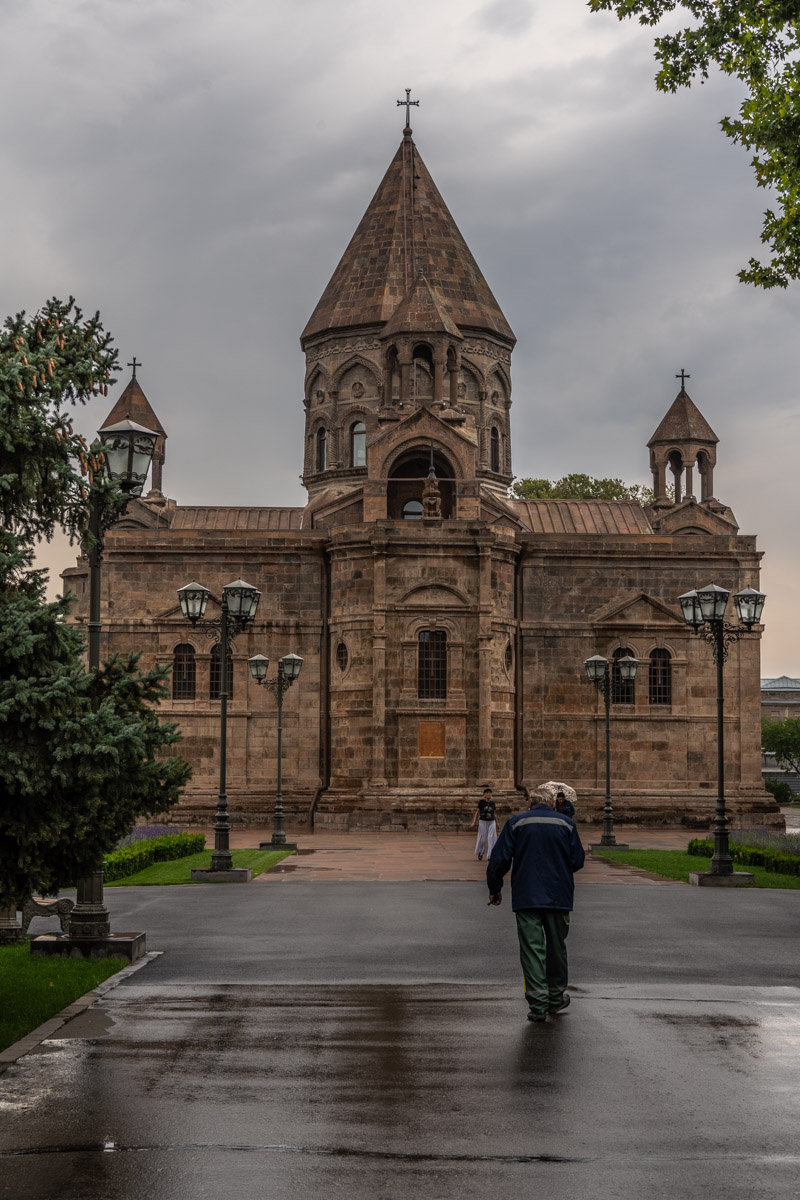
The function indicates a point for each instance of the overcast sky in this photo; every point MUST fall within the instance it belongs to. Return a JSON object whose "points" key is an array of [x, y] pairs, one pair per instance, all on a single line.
{"points": [[195, 169]]}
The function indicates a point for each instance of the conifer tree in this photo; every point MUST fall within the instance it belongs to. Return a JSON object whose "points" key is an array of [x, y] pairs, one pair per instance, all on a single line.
{"points": [[82, 754]]}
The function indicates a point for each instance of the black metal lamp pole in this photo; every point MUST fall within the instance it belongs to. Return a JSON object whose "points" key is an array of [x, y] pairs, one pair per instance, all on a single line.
{"points": [[704, 611], [288, 670], [128, 451], [238, 607], [598, 670]]}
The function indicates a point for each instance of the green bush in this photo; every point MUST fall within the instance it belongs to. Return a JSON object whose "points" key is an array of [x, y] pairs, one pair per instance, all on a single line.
{"points": [[780, 861], [780, 790], [130, 859]]}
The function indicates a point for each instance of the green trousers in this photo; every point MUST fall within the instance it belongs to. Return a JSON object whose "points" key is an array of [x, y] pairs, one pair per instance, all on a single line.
{"points": [[542, 934]]}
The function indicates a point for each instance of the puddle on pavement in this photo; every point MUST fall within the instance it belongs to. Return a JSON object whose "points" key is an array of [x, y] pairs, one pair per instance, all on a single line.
{"points": [[94, 1023]]}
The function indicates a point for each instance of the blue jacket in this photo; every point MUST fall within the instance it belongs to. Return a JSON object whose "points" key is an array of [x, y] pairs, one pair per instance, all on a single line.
{"points": [[545, 850]]}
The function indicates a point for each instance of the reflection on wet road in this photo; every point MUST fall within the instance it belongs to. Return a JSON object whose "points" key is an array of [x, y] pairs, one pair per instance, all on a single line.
{"points": [[431, 1091]]}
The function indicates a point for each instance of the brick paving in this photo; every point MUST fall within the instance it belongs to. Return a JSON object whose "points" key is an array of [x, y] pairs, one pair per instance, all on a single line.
{"points": [[447, 857]]}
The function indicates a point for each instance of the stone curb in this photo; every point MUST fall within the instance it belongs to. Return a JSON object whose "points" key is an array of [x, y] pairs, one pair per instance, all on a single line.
{"points": [[48, 1028]]}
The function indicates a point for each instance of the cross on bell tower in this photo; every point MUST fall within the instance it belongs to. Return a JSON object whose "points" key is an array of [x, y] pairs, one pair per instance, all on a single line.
{"points": [[407, 104]]}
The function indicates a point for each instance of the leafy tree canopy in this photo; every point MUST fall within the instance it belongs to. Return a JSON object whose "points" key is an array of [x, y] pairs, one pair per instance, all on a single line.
{"points": [[782, 738], [82, 755], [757, 41], [580, 487]]}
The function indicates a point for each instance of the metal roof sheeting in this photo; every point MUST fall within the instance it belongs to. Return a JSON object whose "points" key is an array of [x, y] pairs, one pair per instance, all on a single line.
{"points": [[244, 520], [582, 516]]}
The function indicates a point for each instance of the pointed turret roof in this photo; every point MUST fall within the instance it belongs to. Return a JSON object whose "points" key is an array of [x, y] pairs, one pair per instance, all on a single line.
{"points": [[406, 226], [683, 423], [421, 311], [134, 404]]}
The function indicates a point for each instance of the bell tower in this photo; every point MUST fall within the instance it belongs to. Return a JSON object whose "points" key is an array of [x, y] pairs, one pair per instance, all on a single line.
{"points": [[407, 322]]}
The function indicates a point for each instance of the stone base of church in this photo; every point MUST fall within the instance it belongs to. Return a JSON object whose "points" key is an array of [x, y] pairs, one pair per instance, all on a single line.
{"points": [[452, 809]]}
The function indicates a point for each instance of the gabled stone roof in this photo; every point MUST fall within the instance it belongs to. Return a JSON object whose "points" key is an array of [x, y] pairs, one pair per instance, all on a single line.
{"points": [[683, 423], [421, 311], [406, 226], [134, 404]]}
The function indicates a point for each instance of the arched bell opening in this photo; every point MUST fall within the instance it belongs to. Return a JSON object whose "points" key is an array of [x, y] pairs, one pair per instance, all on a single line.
{"points": [[407, 480]]}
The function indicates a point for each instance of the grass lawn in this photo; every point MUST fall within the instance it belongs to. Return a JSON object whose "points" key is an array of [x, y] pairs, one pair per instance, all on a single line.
{"points": [[676, 864], [180, 869], [34, 989]]}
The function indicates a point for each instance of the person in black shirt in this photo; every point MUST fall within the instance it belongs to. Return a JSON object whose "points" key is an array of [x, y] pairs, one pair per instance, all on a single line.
{"points": [[487, 824]]}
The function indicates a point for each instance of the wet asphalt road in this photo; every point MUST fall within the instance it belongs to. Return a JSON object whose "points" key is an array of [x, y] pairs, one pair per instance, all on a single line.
{"points": [[368, 1040]]}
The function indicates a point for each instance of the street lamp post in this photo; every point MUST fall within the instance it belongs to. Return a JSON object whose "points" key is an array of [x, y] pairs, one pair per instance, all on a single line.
{"points": [[239, 605], [288, 670], [598, 670], [704, 612], [128, 450]]}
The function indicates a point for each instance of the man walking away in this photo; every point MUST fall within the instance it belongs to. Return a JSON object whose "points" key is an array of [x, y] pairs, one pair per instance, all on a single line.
{"points": [[487, 824], [545, 851]]}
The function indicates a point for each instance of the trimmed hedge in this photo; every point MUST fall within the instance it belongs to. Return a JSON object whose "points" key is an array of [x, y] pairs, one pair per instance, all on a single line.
{"points": [[130, 859], [778, 861]]}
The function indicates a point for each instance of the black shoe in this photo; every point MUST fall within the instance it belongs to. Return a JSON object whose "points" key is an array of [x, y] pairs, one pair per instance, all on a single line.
{"points": [[534, 1016], [554, 1008]]}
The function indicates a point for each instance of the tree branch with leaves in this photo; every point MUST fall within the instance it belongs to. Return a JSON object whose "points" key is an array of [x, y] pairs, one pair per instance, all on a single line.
{"points": [[757, 42]]}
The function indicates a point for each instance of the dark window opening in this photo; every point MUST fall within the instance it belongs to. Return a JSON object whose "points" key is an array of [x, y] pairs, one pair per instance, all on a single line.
{"points": [[358, 444], [494, 457], [432, 665], [509, 657], [184, 672], [621, 689], [215, 679], [341, 656], [660, 677], [322, 448]]}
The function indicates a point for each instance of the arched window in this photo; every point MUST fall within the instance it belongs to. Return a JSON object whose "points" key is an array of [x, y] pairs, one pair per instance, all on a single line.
{"points": [[184, 672], [660, 677], [412, 510], [621, 689], [341, 656], [494, 456], [215, 678], [322, 448], [509, 657], [358, 444], [432, 665]]}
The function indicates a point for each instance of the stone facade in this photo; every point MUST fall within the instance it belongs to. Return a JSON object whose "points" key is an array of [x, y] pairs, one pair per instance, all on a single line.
{"points": [[443, 626]]}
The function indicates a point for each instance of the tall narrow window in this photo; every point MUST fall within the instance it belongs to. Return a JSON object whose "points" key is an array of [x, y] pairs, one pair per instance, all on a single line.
{"points": [[358, 444], [322, 448], [184, 672], [494, 456], [432, 665], [621, 689], [660, 677], [215, 678]]}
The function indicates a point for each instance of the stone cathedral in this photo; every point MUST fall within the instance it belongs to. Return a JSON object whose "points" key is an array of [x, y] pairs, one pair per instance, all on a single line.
{"points": [[443, 626]]}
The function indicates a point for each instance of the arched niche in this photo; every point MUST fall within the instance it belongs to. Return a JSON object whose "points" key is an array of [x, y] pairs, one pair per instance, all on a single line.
{"points": [[407, 477]]}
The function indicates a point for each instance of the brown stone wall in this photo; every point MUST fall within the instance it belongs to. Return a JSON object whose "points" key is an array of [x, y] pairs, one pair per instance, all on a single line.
{"points": [[590, 596]]}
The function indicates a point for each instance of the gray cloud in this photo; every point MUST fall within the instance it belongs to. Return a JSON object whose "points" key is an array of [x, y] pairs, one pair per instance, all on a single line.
{"points": [[195, 171]]}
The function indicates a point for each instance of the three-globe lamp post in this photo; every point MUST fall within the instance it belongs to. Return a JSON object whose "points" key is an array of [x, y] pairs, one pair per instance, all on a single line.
{"points": [[599, 670], [238, 608], [704, 612], [288, 670]]}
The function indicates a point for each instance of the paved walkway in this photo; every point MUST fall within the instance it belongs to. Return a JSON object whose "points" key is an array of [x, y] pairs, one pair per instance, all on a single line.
{"points": [[415, 857]]}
